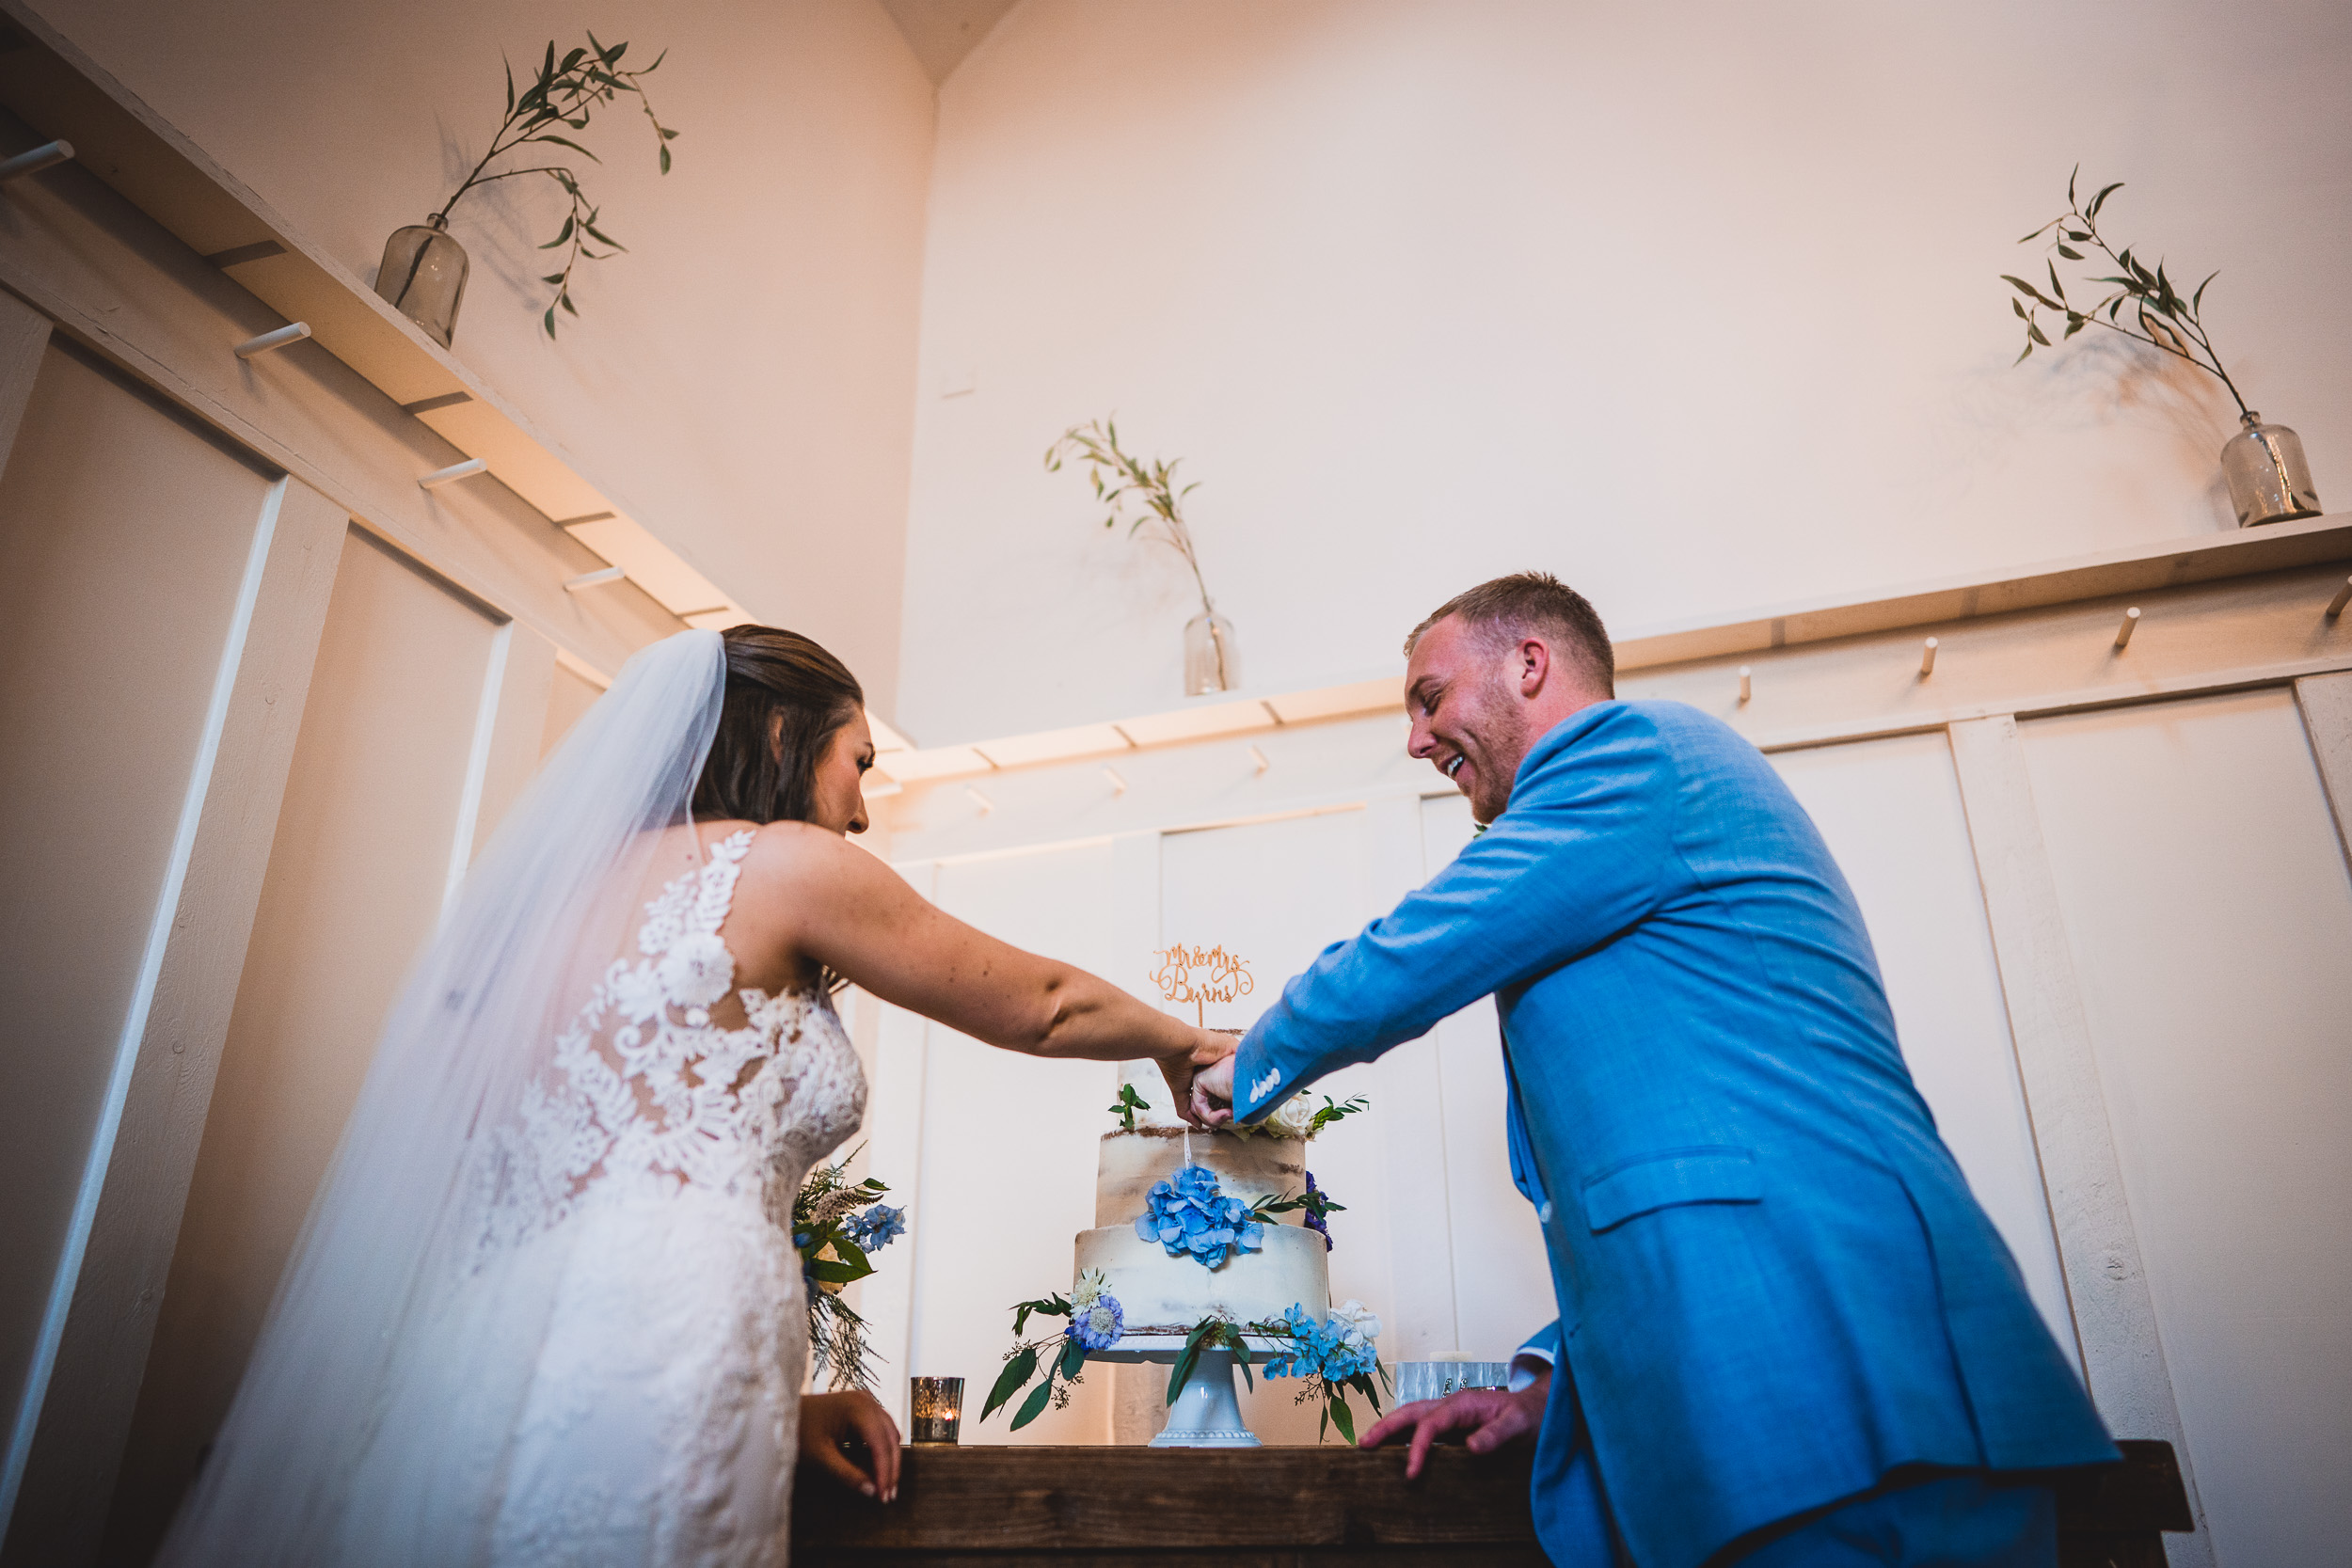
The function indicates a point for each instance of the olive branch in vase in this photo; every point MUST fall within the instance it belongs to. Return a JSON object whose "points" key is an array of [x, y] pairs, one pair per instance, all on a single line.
{"points": [[564, 92], [1150, 489]]}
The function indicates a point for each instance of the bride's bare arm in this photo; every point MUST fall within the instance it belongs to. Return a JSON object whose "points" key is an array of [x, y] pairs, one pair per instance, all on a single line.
{"points": [[811, 897]]}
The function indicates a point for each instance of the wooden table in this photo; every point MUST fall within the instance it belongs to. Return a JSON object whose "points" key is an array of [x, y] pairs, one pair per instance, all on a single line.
{"points": [[1302, 1508]]}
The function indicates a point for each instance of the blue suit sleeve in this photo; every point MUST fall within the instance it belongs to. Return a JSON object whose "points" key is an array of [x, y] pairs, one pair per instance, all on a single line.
{"points": [[1583, 851]]}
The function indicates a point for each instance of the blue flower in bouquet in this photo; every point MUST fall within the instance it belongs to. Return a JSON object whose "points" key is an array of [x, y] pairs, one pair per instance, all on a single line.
{"points": [[877, 1226], [1191, 1215], [1098, 1325]]}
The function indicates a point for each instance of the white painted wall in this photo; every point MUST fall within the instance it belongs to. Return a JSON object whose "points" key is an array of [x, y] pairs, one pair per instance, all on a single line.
{"points": [[1695, 305], [2210, 914], [741, 379]]}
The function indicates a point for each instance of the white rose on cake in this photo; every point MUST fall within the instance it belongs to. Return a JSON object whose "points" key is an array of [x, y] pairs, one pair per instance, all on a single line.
{"points": [[1291, 1118]]}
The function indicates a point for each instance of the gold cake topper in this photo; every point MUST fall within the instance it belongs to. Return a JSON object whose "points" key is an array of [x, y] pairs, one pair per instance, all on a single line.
{"points": [[1181, 979]]}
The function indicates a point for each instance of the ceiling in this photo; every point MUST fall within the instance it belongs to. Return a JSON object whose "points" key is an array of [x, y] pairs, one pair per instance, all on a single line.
{"points": [[942, 32]]}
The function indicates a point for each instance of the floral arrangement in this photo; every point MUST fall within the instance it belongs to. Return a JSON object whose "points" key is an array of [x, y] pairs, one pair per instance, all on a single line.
{"points": [[1150, 485], [1191, 1214], [836, 1225]]}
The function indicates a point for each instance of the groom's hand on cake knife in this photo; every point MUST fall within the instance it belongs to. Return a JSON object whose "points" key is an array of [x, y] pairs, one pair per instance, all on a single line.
{"points": [[1210, 1101], [1183, 1070]]}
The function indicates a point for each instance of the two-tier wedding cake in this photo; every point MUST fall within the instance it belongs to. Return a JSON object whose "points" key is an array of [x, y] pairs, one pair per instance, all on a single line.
{"points": [[1166, 1286], [1182, 1230]]}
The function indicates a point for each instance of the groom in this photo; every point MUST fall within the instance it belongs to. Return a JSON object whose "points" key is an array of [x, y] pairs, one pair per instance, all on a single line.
{"points": [[1787, 1335]]}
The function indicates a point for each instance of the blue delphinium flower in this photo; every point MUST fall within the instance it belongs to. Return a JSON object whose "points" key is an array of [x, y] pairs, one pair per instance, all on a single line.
{"points": [[877, 1226], [1315, 1221], [1192, 1216], [1098, 1325]]}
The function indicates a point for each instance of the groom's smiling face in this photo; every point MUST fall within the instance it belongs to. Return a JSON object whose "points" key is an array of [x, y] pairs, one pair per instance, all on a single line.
{"points": [[1469, 722]]}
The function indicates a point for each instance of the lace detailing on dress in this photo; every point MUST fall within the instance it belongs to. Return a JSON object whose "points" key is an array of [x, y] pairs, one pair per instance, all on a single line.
{"points": [[646, 1096]]}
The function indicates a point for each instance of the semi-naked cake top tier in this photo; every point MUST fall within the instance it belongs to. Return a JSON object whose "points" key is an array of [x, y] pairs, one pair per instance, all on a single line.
{"points": [[1159, 1292], [1247, 1168]]}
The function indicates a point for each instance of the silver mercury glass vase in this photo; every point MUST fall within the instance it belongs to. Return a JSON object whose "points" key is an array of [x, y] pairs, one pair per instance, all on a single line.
{"points": [[2269, 481], [424, 275]]}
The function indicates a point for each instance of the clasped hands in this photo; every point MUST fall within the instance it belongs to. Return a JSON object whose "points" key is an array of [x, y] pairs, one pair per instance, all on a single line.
{"points": [[1201, 1077]]}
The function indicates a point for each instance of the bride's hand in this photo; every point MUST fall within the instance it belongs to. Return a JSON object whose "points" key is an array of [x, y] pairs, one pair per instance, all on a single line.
{"points": [[830, 1420], [1208, 1048], [1212, 1104]]}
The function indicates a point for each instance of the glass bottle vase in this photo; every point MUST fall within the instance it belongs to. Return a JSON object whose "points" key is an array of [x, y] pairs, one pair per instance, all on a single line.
{"points": [[423, 277], [2269, 481], [1212, 658]]}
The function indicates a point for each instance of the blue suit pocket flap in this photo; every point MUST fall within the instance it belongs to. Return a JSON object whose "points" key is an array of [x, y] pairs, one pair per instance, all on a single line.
{"points": [[1661, 1182]]}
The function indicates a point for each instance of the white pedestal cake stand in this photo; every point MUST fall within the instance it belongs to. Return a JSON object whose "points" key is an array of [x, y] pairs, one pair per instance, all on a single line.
{"points": [[1205, 1413]]}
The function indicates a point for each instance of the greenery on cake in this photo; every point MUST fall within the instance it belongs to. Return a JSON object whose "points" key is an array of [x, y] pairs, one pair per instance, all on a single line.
{"points": [[1127, 1105], [836, 1227]]}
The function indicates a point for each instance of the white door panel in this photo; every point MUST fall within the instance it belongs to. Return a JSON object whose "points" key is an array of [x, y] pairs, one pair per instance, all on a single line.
{"points": [[1890, 811], [2210, 914]]}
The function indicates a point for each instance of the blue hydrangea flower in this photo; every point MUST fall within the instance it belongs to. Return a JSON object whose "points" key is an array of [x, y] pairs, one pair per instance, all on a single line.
{"points": [[1098, 1326], [1331, 1350], [878, 1226], [1191, 1215]]}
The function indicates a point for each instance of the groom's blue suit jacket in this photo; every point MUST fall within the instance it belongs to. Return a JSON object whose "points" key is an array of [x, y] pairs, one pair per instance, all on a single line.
{"points": [[1774, 1284]]}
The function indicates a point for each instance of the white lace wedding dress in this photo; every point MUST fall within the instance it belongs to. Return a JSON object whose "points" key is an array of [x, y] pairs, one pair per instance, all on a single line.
{"points": [[655, 1163]]}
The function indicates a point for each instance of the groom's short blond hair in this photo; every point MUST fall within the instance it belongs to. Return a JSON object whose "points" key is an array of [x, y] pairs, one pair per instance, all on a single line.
{"points": [[1508, 609]]}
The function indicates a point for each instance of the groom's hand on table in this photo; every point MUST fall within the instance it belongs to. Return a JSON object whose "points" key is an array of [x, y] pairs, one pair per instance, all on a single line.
{"points": [[833, 1424], [1492, 1416], [1212, 1053]]}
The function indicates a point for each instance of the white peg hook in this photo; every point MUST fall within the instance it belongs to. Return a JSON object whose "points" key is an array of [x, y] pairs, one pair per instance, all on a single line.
{"points": [[455, 471], [981, 800], [2343, 596], [1746, 688], [1260, 758], [1119, 785], [2131, 624], [47, 155], [1927, 658], [595, 578], [268, 341]]}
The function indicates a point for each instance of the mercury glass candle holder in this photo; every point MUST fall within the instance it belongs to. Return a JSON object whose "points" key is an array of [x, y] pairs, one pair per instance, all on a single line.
{"points": [[937, 1409], [2270, 480]]}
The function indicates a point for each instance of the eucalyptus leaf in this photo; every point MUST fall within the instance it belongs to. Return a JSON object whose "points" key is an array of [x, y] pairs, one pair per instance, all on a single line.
{"points": [[1017, 1372], [1034, 1406]]}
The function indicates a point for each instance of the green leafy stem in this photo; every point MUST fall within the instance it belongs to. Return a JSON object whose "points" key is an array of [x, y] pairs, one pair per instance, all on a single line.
{"points": [[1127, 1105], [2160, 316], [565, 92], [1148, 485]]}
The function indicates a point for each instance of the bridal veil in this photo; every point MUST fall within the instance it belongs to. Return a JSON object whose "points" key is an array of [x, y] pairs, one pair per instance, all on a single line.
{"points": [[373, 1422]]}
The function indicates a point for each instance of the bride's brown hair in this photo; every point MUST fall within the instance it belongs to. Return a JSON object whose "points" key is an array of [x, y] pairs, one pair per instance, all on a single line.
{"points": [[786, 699]]}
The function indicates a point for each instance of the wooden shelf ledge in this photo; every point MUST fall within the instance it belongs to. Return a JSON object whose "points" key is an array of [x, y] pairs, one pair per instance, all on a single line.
{"points": [[1006, 1507]]}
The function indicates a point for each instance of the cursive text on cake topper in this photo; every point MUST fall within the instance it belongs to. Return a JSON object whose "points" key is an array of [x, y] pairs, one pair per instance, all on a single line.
{"points": [[1201, 975]]}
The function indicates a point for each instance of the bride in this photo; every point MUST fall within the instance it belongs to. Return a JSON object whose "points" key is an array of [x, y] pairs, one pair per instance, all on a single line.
{"points": [[545, 1309]]}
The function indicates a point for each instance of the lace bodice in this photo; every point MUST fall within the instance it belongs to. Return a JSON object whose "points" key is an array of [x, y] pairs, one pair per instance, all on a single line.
{"points": [[646, 1096]]}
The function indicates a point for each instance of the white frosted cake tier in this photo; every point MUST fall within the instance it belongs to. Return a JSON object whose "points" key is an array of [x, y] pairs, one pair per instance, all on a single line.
{"points": [[1159, 1292], [1247, 1168]]}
